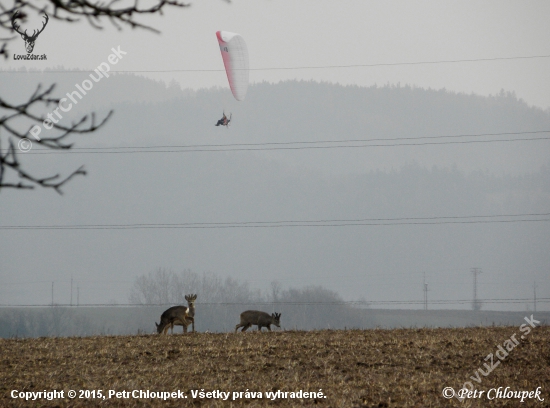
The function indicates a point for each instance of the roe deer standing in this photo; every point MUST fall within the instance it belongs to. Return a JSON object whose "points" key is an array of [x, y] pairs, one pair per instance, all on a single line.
{"points": [[190, 317], [178, 316], [260, 319]]}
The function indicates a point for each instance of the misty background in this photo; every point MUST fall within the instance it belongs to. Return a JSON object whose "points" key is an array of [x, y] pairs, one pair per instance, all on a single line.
{"points": [[357, 42], [430, 212], [223, 299]]}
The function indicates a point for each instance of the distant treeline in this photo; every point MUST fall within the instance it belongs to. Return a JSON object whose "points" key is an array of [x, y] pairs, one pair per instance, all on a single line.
{"points": [[220, 301], [91, 321], [219, 304]]}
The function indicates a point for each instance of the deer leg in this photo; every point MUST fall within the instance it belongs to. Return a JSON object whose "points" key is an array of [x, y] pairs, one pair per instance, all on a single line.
{"points": [[246, 326], [192, 321]]}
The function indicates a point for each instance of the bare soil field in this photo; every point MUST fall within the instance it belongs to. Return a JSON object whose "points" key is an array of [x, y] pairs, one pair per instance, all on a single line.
{"points": [[333, 368]]}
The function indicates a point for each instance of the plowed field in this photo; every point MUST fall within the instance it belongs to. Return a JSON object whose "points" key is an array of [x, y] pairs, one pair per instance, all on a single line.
{"points": [[348, 368]]}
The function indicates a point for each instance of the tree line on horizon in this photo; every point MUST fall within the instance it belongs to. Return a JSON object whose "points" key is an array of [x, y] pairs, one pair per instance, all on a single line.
{"points": [[220, 301]]}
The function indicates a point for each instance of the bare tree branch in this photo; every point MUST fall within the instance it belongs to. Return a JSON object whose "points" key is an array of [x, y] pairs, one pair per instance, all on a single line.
{"points": [[95, 12], [9, 159], [12, 115]]}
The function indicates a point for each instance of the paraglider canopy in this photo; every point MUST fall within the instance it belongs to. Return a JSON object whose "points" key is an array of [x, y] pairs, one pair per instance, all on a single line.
{"points": [[235, 59]]}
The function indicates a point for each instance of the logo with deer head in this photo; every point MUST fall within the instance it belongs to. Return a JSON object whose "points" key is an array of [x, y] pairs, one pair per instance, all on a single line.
{"points": [[29, 39]]}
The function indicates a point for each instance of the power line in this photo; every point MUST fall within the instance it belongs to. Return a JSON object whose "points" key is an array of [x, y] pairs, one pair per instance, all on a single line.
{"points": [[393, 278], [472, 219], [384, 64], [317, 141], [310, 303], [89, 282], [292, 145]]}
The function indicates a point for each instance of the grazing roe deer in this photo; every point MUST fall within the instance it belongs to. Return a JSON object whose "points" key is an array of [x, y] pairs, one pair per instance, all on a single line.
{"points": [[178, 316], [260, 319]]}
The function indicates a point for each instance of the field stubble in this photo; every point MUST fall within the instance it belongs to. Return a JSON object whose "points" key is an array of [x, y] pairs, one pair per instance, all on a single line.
{"points": [[367, 368]]}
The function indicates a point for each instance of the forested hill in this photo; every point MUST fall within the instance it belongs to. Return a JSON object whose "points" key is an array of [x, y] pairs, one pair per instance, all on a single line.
{"points": [[151, 113], [322, 180]]}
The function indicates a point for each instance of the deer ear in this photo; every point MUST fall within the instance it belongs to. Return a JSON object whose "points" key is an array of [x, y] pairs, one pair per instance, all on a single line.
{"points": [[156, 325]]}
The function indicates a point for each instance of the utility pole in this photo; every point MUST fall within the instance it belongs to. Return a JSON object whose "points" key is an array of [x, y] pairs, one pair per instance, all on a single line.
{"points": [[475, 305], [535, 295], [425, 293]]}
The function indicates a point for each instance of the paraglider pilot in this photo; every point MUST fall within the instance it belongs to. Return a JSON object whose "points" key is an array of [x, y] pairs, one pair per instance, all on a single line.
{"points": [[224, 121]]}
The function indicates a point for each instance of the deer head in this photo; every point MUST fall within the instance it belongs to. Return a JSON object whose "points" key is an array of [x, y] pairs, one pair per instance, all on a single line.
{"points": [[191, 302], [29, 39]]}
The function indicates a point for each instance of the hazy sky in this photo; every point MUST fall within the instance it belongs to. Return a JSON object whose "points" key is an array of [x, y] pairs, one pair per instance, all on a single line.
{"points": [[320, 33], [383, 39]]}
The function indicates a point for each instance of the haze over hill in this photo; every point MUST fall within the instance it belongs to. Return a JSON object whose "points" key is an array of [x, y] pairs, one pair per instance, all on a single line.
{"points": [[150, 114], [397, 181]]}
